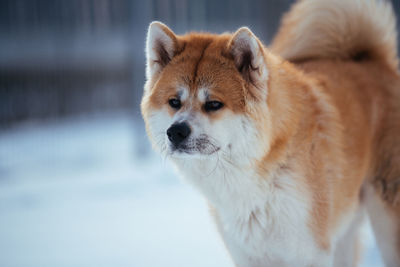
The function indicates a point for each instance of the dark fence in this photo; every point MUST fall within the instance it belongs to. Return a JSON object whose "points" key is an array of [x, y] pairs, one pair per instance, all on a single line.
{"points": [[59, 58]]}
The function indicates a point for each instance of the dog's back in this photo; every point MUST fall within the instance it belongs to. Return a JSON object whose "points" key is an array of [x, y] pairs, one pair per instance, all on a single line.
{"points": [[350, 47]]}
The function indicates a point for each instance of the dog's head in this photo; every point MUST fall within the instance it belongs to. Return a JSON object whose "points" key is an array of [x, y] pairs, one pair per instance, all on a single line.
{"points": [[206, 94]]}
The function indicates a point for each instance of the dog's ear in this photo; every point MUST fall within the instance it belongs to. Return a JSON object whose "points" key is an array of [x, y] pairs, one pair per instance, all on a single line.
{"points": [[248, 54], [161, 46]]}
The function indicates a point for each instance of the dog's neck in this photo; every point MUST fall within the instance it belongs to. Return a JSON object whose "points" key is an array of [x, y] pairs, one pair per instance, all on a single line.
{"points": [[235, 190], [246, 206]]}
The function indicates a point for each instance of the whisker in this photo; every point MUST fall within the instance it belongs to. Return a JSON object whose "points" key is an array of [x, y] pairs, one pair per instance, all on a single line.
{"points": [[216, 165]]}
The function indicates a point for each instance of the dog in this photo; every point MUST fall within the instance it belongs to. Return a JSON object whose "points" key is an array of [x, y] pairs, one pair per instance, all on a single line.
{"points": [[294, 144]]}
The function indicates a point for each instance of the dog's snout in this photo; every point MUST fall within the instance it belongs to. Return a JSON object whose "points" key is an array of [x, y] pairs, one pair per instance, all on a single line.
{"points": [[178, 132]]}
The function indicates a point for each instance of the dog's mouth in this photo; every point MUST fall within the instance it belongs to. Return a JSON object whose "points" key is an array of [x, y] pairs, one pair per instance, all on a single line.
{"points": [[196, 146]]}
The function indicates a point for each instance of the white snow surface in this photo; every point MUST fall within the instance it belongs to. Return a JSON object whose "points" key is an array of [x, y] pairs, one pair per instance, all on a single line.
{"points": [[82, 192]]}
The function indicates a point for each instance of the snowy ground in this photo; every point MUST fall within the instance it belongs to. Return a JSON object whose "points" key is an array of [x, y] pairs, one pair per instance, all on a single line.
{"points": [[75, 193]]}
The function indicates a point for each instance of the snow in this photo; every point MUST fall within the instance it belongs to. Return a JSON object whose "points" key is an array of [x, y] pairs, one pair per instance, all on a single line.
{"points": [[82, 192]]}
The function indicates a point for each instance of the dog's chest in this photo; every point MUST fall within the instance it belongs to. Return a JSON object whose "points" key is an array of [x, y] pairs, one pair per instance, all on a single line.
{"points": [[276, 231], [263, 220]]}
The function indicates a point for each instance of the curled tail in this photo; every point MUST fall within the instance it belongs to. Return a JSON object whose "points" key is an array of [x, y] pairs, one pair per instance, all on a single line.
{"points": [[344, 29]]}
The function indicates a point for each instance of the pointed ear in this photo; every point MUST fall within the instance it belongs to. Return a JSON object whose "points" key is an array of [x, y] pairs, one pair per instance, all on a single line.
{"points": [[161, 46], [248, 54]]}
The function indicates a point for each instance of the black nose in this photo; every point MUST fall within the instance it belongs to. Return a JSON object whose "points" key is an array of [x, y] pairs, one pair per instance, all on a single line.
{"points": [[178, 132]]}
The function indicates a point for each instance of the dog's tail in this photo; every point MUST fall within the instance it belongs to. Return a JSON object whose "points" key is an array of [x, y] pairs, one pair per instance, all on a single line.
{"points": [[341, 29]]}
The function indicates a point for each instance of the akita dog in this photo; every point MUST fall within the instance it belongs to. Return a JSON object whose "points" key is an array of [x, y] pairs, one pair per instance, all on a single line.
{"points": [[291, 143]]}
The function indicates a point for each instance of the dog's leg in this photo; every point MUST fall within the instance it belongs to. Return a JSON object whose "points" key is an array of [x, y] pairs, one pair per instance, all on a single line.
{"points": [[348, 248], [385, 221]]}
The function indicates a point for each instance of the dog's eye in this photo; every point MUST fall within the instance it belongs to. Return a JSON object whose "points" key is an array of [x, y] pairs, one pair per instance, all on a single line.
{"points": [[212, 105], [175, 103]]}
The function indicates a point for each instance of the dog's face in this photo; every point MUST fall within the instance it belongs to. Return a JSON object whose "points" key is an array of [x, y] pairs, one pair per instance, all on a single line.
{"points": [[202, 92]]}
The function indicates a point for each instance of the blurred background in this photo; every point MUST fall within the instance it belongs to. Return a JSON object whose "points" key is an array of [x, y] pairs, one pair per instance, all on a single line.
{"points": [[79, 184]]}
